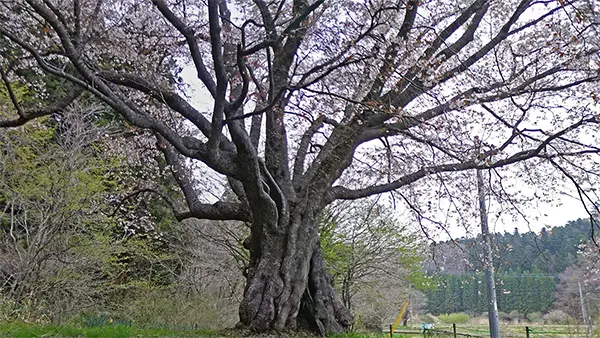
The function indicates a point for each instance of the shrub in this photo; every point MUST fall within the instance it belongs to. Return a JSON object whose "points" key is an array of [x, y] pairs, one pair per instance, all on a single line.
{"points": [[480, 320], [6, 309], [165, 309], [370, 323], [505, 317], [515, 316], [428, 318], [534, 317], [456, 318], [555, 317]]}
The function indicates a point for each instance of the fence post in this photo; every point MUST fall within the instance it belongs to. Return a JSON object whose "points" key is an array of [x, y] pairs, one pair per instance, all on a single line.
{"points": [[391, 331], [454, 330], [527, 331]]}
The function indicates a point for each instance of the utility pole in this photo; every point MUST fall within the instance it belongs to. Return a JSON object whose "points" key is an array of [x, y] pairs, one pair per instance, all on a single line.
{"points": [[586, 319], [583, 312], [487, 260]]}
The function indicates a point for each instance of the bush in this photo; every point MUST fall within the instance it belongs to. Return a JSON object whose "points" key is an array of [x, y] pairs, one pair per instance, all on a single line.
{"points": [[428, 318], [455, 318], [556, 317], [166, 309], [505, 317], [480, 320], [534, 317], [370, 323], [515, 316]]}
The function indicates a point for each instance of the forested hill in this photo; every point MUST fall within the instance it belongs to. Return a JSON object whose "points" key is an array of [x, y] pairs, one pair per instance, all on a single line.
{"points": [[527, 269], [548, 252]]}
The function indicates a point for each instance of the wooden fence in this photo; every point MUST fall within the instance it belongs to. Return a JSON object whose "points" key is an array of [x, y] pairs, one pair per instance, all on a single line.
{"points": [[454, 333]]}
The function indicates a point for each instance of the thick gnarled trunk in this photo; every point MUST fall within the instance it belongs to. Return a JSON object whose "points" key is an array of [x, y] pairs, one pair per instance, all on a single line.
{"points": [[287, 283]]}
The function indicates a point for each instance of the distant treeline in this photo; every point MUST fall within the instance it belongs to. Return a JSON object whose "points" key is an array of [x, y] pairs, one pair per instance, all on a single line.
{"points": [[525, 293], [527, 268]]}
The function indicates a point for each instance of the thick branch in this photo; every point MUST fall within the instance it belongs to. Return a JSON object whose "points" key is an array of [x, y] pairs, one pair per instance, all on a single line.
{"points": [[467, 36], [396, 94], [339, 192], [501, 36], [469, 98], [390, 62], [192, 42], [26, 116], [267, 19], [276, 147], [239, 101], [221, 73], [197, 209], [409, 19], [303, 149], [301, 16], [11, 93], [115, 98], [170, 98]]}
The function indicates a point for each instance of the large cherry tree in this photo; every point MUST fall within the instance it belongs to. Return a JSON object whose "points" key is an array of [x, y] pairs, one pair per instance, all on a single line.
{"points": [[313, 101]]}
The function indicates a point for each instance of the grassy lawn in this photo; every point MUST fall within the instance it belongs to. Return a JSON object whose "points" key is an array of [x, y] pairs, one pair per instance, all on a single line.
{"points": [[28, 330]]}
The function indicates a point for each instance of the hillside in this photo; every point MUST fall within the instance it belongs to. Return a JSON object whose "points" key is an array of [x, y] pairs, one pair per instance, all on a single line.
{"points": [[527, 269]]}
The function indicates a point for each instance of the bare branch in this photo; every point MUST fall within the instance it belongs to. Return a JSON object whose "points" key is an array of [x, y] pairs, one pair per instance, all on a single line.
{"points": [[239, 101], [221, 74], [197, 209], [397, 94], [303, 150], [339, 192], [11, 93], [26, 116], [409, 19], [172, 99], [192, 42]]}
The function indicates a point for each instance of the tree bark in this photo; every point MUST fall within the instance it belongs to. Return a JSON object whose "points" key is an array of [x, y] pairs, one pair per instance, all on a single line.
{"points": [[287, 284]]}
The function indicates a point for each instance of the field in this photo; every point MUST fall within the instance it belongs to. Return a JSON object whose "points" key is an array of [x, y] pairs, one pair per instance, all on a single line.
{"points": [[507, 330]]}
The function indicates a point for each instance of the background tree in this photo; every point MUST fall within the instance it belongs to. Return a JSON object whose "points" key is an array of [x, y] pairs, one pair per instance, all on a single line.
{"points": [[52, 189], [76, 245], [309, 106], [587, 274], [375, 261]]}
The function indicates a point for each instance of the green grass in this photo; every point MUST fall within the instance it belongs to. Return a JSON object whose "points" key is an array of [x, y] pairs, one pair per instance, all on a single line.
{"points": [[29, 330], [365, 335], [26, 330]]}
